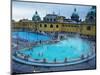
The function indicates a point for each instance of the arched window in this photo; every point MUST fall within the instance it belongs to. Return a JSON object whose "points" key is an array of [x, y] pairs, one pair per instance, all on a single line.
{"points": [[47, 19], [40, 25], [51, 20], [45, 25], [44, 19], [51, 26], [56, 26], [54, 20]]}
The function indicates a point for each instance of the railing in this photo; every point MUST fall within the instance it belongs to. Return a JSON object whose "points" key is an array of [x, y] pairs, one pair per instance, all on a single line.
{"points": [[20, 57]]}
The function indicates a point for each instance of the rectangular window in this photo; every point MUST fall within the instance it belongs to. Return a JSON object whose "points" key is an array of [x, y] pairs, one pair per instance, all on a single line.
{"points": [[89, 28]]}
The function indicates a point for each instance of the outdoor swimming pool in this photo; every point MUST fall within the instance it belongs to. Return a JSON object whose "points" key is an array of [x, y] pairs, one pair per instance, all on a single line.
{"points": [[30, 36], [70, 49]]}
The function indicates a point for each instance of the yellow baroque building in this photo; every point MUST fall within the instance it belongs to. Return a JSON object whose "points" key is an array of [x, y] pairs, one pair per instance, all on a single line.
{"points": [[82, 28], [56, 23]]}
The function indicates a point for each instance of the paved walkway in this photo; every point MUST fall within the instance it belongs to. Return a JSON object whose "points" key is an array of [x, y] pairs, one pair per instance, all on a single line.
{"points": [[23, 68]]}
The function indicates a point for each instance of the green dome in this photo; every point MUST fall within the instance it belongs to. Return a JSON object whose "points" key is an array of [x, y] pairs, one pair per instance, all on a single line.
{"points": [[75, 16], [36, 17], [91, 15]]}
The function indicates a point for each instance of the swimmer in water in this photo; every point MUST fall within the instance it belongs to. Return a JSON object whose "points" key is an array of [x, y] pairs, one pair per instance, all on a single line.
{"points": [[40, 54]]}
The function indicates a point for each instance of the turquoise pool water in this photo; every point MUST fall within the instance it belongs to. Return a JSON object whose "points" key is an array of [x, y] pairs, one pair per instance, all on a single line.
{"points": [[70, 48], [30, 36]]}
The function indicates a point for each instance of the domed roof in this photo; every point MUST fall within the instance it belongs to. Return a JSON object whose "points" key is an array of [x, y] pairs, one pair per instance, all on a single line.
{"points": [[36, 17], [75, 16], [91, 15], [92, 12]]}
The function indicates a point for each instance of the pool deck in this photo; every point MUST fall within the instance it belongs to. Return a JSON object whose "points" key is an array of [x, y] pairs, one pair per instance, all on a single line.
{"points": [[23, 68], [52, 64]]}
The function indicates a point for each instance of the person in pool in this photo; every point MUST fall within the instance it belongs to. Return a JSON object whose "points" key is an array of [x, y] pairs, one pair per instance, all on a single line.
{"points": [[40, 54]]}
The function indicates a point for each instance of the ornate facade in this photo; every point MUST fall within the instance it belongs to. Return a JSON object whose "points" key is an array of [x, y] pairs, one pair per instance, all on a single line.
{"points": [[55, 23]]}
